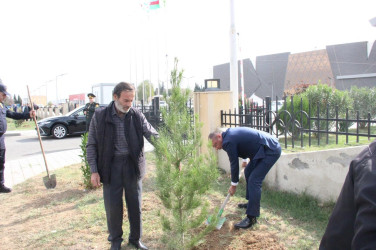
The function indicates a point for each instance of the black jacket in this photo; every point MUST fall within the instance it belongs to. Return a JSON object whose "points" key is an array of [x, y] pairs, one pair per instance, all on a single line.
{"points": [[352, 224], [136, 127], [4, 113]]}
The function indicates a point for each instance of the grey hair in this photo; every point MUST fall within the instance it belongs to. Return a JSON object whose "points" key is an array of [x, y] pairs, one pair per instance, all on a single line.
{"points": [[214, 133], [122, 86]]}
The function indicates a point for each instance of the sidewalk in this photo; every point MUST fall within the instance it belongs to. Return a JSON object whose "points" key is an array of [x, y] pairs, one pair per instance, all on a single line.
{"points": [[17, 171]]}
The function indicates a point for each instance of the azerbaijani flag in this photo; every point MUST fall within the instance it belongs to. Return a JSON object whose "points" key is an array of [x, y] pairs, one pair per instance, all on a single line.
{"points": [[154, 4]]}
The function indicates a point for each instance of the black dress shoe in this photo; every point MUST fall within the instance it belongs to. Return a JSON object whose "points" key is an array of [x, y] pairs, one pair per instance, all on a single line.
{"points": [[243, 205], [138, 245], [116, 245], [246, 223], [4, 189]]}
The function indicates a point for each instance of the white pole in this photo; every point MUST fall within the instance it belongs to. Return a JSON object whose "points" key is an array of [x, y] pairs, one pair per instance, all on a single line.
{"points": [[143, 75], [241, 74], [167, 74], [233, 59], [136, 83], [150, 37]]}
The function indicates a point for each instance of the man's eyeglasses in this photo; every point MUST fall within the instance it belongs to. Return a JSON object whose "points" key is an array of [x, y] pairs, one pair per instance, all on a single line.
{"points": [[91, 98]]}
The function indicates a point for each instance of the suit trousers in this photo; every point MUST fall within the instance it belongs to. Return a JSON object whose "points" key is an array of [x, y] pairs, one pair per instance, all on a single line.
{"points": [[255, 173], [123, 180]]}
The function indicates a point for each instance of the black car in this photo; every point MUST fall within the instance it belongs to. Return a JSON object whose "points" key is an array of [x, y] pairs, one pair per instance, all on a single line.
{"points": [[59, 127]]}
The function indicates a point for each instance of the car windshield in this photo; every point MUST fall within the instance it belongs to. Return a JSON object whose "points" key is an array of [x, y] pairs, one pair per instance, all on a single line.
{"points": [[75, 110]]}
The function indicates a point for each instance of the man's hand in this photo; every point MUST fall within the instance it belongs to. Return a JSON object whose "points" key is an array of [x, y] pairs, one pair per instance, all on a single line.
{"points": [[95, 180], [244, 164], [232, 190], [33, 114]]}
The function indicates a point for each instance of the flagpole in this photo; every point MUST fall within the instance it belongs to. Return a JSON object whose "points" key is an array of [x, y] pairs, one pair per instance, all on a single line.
{"points": [[137, 97], [143, 75], [241, 74], [233, 59], [150, 37]]}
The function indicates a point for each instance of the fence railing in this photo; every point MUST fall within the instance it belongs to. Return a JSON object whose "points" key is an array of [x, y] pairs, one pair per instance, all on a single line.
{"points": [[154, 115], [302, 125]]}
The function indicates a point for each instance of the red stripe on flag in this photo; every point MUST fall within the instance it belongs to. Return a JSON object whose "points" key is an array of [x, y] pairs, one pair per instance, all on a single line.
{"points": [[154, 2]]}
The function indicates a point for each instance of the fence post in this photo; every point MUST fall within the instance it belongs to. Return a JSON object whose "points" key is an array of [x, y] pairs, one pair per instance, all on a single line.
{"points": [[309, 123], [293, 122], [318, 124], [357, 126], [347, 128], [369, 126], [327, 124], [268, 104], [337, 125], [155, 102], [301, 122]]}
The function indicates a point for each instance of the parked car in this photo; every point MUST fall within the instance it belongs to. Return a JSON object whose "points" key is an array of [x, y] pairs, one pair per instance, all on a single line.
{"points": [[59, 127]]}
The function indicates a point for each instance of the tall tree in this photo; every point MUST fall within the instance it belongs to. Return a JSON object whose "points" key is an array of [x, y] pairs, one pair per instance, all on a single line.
{"points": [[198, 88], [19, 100], [183, 175]]}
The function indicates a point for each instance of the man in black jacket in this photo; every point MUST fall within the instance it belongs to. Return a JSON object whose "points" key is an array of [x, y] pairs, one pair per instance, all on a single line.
{"points": [[4, 113], [352, 224], [115, 154]]}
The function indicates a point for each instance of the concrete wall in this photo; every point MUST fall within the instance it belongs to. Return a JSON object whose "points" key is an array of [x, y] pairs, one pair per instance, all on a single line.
{"points": [[320, 173]]}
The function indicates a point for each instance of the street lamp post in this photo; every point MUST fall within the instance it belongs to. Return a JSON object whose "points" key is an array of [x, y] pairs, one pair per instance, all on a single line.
{"points": [[57, 98]]}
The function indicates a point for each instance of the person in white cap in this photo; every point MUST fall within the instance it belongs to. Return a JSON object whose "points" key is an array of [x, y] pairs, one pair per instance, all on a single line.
{"points": [[4, 113]]}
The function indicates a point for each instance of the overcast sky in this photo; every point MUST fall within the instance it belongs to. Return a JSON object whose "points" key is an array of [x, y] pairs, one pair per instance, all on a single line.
{"points": [[92, 41]]}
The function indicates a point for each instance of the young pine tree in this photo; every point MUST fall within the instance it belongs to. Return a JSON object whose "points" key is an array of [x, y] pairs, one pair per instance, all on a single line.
{"points": [[183, 175]]}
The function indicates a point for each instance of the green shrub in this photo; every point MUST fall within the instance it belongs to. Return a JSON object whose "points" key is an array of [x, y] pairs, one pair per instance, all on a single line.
{"points": [[294, 112], [364, 102], [85, 168], [324, 100]]}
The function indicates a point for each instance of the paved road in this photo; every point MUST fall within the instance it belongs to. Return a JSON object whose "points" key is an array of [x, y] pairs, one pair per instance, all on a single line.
{"points": [[27, 144], [24, 158]]}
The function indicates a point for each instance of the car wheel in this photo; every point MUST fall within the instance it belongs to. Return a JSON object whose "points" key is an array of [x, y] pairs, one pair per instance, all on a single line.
{"points": [[59, 131]]}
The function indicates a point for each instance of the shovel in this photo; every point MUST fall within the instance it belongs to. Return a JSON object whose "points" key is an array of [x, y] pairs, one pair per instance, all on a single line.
{"points": [[220, 220], [49, 180]]}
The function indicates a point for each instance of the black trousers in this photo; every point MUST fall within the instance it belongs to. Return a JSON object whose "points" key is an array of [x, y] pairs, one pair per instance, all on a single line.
{"points": [[2, 165], [2, 158], [123, 180]]}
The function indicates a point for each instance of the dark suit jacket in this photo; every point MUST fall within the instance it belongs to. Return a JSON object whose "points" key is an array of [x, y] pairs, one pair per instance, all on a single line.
{"points": [[245, 143], [352, 224]]}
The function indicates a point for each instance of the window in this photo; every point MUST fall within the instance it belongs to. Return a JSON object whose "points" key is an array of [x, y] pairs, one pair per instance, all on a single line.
{"points": [[212, 84]]}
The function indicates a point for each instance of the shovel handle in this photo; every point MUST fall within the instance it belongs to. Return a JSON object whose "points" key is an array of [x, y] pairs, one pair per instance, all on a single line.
{"points": [[40, 140], [223, 205]]}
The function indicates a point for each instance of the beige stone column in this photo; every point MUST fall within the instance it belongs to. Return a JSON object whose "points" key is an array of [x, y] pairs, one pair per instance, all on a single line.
{"points": [[208, 106]]}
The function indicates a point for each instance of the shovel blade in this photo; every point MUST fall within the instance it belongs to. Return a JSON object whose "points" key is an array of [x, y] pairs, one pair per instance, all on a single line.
{"points": [[220, 223], [49, 182]]}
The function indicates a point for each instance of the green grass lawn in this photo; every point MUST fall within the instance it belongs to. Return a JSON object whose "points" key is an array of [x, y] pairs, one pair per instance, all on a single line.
{"points": [[317, 145], [14, 125], [71, 217]]}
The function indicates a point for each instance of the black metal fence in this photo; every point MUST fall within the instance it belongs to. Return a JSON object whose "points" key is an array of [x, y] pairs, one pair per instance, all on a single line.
{"points": [[301, 125], [154, 115]]}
